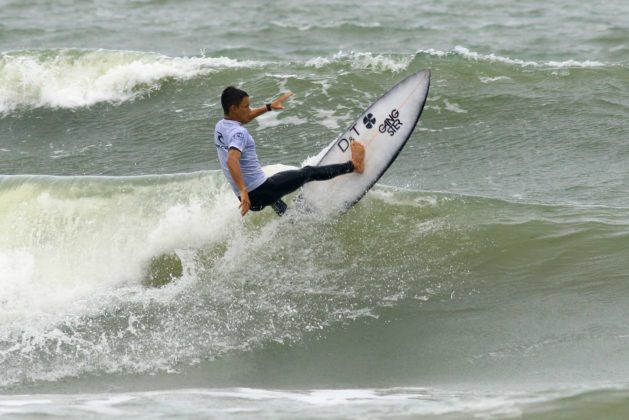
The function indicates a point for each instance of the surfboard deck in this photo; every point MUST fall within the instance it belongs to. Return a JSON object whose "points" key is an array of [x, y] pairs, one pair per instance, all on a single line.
{"points": [[384, 128]]}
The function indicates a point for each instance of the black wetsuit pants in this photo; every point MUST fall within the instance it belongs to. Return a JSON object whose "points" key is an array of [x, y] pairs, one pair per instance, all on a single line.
{"points": [[270, 193]]}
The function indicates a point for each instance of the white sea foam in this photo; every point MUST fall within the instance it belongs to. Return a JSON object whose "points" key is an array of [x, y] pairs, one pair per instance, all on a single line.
{"points": [[453, 107], [271, 119], [63, 249], [71, 273], [330, 118], [494, 58], [272, 404], [331, 25], [493, 79], [363, 60], [82, 78], [381, 62], [79, 248]]}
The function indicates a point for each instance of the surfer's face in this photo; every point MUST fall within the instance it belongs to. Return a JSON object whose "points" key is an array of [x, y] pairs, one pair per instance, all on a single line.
{"points": [[242, 112]]}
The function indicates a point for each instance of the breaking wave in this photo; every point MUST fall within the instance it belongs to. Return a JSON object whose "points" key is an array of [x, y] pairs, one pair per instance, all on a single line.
{"points": [[73, 78], [76, 252]]}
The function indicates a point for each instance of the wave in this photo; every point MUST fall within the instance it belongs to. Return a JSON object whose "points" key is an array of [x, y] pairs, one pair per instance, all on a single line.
{"points": [[493, 58], [72, 235], [412, 402], [76, 253], [401, 62], [75, 78], [348, 26], [363, 61], [79, 78]]}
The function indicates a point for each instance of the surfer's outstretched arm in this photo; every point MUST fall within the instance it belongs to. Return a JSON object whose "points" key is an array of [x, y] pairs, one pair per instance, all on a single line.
{"points": [[276, 105]]}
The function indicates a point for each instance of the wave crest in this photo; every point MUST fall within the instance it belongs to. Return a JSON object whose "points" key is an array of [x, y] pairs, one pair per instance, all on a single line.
{"points": [[364, 60], [493, 58], [71, 78]]}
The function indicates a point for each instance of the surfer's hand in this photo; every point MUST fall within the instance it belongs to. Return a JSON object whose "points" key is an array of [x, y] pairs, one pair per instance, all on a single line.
{"points": [[279, 102], [245, 203]]}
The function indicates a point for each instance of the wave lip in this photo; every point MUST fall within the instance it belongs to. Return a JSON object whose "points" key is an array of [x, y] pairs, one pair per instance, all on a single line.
{"points": [[363, 60], [401, 62], [493, 58], [79, 78], [75, 78]]}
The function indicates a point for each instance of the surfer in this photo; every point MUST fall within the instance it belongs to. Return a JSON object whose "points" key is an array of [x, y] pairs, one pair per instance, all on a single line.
{"points": [[237, 154]]}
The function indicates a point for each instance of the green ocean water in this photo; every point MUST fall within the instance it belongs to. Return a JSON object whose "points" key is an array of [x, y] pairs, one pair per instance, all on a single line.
{"points": [[483, 276]]}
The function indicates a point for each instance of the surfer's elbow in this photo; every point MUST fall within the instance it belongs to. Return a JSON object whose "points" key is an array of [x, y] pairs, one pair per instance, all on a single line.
{"points": [[232, 163], [233, 158]]}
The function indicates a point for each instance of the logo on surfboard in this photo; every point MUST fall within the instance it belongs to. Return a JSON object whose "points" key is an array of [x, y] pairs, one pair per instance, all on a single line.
{"points": [[369, 121], [392, 123]]}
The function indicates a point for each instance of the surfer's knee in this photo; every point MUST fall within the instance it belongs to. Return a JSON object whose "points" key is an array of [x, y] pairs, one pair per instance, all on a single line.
{"points": [[308, 172]]}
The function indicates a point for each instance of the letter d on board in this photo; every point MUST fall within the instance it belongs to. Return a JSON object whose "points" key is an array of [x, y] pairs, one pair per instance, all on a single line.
{"points": [[343, 144]]}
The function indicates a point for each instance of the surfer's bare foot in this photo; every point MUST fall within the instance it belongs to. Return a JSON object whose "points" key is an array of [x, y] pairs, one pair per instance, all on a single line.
{"points": [[358, 156]]}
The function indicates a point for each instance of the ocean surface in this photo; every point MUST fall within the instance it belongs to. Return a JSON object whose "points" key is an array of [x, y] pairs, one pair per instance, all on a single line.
{"points": [[486, 275]]}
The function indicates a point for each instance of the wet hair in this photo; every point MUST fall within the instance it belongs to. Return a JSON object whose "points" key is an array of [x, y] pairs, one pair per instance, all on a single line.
{"points": [[232, 96]]}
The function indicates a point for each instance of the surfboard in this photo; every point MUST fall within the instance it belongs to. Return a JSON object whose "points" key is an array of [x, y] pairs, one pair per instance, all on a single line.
{"points": [[384, 128]]}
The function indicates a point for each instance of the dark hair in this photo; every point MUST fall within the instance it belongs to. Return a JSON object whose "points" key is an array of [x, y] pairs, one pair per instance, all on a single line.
{"points": [[232, 96]]}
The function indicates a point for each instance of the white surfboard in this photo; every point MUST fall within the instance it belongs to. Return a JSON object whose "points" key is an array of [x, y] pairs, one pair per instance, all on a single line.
{"points": [[384, 128]]}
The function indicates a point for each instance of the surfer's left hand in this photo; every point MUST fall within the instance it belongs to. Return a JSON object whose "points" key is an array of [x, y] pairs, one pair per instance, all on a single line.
{"points": [[278, 103], [245, 202]]}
